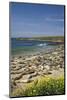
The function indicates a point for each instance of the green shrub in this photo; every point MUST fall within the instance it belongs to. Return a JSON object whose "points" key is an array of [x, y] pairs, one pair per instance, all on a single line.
{"points": [[42, 86]]}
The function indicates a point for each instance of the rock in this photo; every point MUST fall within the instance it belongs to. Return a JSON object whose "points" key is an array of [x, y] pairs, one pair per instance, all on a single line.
{"points": [[21, 62], [34, 67], [29, 65], [29, 70], [58, 66], [16, 76], [55, 53], [13, 63], [18, 67], [23, 65], [34, 74], [49, 72], [40, 73], [25, 81], [52, 68], [28, 76], [62, 65], [19, 57], [41, 67], [36, 63], [13, 66], [47, 67], [44, 71], [38, 58], [12, 60]]}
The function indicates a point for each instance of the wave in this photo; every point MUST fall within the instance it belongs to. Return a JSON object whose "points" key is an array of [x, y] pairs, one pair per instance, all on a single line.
{"points": [[42, 44]]}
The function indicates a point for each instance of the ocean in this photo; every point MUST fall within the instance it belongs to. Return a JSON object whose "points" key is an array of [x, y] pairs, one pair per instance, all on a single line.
{"points": [[26, 47]]}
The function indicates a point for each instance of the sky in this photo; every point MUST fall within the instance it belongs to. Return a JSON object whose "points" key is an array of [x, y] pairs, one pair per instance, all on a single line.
{"points": [[35, 20]]}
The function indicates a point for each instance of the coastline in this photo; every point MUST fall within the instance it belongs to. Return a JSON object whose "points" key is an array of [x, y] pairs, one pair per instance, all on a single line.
{"points": [[25, 69], [22, 49]]}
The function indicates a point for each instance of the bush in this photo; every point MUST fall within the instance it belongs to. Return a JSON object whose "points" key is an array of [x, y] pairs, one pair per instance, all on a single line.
{"points": [[42, 86]]}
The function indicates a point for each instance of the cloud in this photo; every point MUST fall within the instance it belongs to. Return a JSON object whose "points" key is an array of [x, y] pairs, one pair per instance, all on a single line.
{"points": [[55, 18]]}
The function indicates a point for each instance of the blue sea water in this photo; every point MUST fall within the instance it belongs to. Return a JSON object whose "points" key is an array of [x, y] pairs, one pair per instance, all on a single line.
{"points": [[28, 46]]}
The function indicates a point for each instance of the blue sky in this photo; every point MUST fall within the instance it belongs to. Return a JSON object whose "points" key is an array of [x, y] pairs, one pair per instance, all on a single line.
{"points": [[29, 20]]}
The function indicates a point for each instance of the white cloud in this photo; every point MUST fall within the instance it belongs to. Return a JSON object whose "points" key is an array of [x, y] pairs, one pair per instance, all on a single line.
{"points": [[55, 19]]}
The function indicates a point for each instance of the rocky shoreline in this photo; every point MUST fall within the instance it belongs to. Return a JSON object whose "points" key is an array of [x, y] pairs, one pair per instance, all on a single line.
{"points": [[26, 69]]}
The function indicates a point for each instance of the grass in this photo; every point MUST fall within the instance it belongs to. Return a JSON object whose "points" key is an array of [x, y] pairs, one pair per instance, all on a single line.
{"points": [[47, 38], [42, 86]]}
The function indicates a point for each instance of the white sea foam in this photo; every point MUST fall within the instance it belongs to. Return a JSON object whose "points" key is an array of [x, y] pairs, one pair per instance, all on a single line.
{"points": [[44, 44]]}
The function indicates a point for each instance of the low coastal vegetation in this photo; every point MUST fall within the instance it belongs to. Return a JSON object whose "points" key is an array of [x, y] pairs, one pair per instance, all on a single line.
{"points": [[45, 85], [47, 38]]}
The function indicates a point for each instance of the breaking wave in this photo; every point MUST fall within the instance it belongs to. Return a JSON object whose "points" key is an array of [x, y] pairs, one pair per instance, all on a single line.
{"points": [[42, 44]]}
